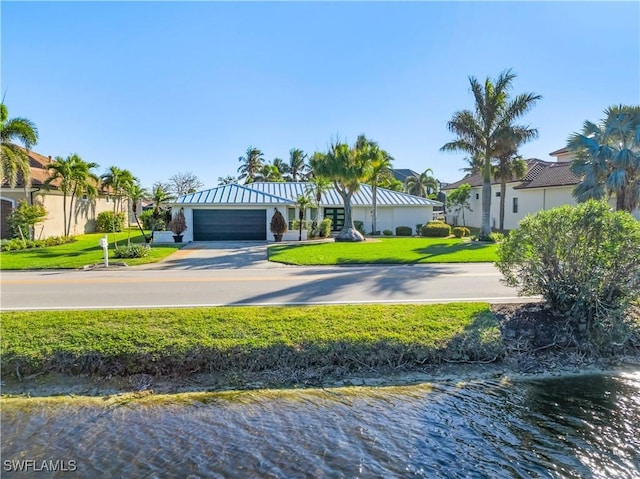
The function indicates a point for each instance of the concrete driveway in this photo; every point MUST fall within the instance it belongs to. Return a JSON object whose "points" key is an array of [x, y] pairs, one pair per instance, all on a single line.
{"points": [[218, 255]]}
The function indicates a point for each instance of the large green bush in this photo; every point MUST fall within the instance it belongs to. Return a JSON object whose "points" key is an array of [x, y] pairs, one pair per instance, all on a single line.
{"points": [[131, 250], [23, 218], [436, 229], [110, 222], [583, 260], [146, 217], [403, 231]]}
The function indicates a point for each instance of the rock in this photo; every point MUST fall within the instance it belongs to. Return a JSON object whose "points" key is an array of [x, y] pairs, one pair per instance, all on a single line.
{"points": [[349, 234]]}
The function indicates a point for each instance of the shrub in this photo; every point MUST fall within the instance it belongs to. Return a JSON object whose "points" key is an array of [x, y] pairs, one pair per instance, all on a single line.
{"points": [[387, 233], [403, 231], [24, 217], [18, 244], [495, 237], [131, 251], [110, 222], [461, 232], [146, 217], [278, 224], [436, 229], [324, 229], [418, 228], [359, 226], [178, 223], [583, 260]]}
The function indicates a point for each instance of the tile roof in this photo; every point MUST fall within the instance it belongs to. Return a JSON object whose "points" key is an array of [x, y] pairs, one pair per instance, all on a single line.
{"points": [[539, 174], [288, 193], [557, 174], [403, 174]]}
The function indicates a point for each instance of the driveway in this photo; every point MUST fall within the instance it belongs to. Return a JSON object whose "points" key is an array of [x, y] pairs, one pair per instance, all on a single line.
{"points": [[218, 255]]}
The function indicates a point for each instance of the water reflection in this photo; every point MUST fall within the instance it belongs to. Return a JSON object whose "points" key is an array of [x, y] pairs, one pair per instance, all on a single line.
{"points": [[570, 427]]}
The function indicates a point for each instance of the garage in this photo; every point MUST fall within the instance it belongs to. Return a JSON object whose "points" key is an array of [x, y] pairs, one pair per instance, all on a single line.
{"points": [[229, 225]]}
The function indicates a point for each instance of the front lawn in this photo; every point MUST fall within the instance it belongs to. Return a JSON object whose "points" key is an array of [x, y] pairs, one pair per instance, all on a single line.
{"points": [[386, 250], [240, 340], [85, 251]]}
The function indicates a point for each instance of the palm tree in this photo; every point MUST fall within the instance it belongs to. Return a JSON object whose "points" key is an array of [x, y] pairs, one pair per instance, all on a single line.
{"points": [[608, 157], [251, 164], [159, 197], [268, 172], [510, 165], [75, 178], [347, 169], [318, 186], [298, 167], [14, 161], [119, 180], [282, 166], [302, 204], [379, 166], [509, 168], [136, 193], [480, 132], [422, 185]]}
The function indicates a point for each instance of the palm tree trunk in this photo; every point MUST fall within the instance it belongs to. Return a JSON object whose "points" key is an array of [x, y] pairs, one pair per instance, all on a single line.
{"points": [[503, 191], [485, 228], [620, 200], [73, 195], [375, 209], [349, 231], [64, 213]]}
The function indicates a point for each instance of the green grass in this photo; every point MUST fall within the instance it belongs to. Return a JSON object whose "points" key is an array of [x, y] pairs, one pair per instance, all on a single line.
{"points": [[228, 339], [385, 250], [84, 251]]}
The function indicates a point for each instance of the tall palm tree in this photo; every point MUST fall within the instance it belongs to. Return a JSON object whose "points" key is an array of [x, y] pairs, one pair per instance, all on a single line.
{"points": [[75, 178], [347, 169], [298, 167], [510, 166], [318, 186], [14, 161], [119, 180], [135, 193], [282, 167], [422, 185], [379, 168], [268, 172], [608, 157], [159, 198], [251, 164], [480, 132]]}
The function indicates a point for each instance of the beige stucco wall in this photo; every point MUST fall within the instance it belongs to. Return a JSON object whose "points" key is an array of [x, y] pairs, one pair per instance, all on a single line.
{"points": [[83, 215]]}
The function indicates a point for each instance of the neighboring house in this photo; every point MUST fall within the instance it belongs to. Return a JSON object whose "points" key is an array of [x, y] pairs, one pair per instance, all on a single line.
{"points": [[403, 174], [546, 184], [85, 210], [243, 212]]}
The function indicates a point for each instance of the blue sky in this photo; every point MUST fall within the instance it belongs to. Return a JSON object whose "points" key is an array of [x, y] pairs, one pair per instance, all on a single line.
{"points": [[166, 87]]}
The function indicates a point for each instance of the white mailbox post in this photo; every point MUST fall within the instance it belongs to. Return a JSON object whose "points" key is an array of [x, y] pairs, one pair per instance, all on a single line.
{"points": [[104, 242]]}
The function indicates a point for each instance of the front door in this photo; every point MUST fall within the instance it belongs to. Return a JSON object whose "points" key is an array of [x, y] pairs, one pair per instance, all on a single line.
{"points": [[336, 215]]}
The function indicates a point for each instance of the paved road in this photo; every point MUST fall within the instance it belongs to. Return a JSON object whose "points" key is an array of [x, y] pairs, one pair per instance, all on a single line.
{"points": [[261, 283]]}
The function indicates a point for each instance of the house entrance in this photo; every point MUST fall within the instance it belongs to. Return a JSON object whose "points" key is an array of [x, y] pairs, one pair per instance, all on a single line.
{"points": [[336, 215]]}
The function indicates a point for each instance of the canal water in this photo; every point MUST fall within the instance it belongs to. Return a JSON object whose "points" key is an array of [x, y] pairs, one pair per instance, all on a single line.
{"points": [[573, 427]]}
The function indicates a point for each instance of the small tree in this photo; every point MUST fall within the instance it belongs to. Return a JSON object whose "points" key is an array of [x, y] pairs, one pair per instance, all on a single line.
{"points": [[24, 217], [303, 203], [178, 223], [278, 225], [458, 200], [583, 260]]}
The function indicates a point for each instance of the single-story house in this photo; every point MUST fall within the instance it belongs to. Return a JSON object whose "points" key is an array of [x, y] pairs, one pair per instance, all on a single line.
{"points": [[83, 216], [546, 185], [243, 212]]}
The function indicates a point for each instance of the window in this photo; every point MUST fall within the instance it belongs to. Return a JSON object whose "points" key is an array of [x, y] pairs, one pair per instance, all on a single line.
{"points": [[497, 194], [291, 217], [477, 196], [515, 205]]}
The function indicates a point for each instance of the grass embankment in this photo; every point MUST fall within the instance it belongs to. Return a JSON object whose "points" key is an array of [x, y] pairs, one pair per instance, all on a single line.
{"points": [[386, 251], [235, 341], [85, 251]]}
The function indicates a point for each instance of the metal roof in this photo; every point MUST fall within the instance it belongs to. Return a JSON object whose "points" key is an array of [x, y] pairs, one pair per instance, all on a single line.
{"points": [[288, 193], [232, 194]]}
